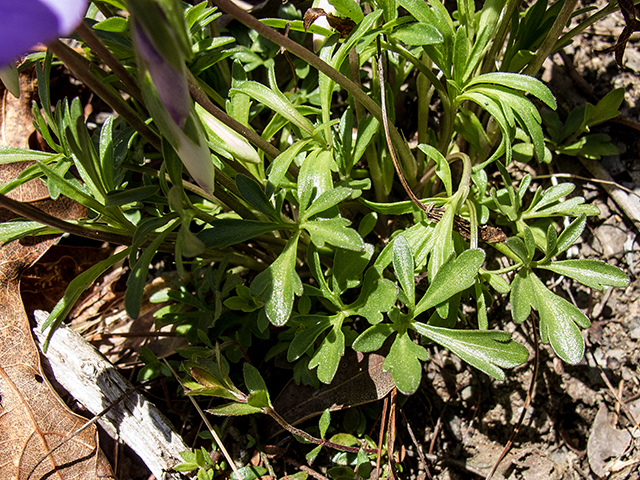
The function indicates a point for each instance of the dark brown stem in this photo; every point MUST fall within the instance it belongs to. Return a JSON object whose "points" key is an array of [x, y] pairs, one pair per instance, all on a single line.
{"points": [[313, 60], [78, 65], [32, 213], [104, 54], [201, 97]]}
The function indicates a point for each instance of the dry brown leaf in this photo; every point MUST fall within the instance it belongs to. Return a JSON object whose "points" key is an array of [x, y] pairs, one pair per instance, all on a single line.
{"points": [[33, 419], [344, 26], [360, 379]]}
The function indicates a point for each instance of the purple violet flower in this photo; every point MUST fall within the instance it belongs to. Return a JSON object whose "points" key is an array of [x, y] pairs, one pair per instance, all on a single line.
{"points": [[25, 23], [170, 83]]}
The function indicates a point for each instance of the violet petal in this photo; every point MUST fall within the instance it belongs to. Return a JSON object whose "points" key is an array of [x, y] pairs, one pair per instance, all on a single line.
{"points": [[26, 23]]}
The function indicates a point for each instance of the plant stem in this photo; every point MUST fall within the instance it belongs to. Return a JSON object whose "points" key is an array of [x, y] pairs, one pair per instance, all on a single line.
{"points": [[104, 54], [491, 60], [549, 44], [313, 60], [201, 97], [318, 441], [79, 66], [32, 213]]}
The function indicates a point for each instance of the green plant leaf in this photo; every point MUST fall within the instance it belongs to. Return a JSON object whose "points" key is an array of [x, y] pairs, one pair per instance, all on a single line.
{"points": [[279, 283], [327, 357], [488, 351], [315, 177], [558, 319], [249, 473], [442, 166], [15, 154], [225, 232], [326, 200], [76, 288], [334, 231], [276, 101], [417, 34], [259, 399], [455, 276], [522, 298], [280, 164], [130, 195], [325, 421], [253, 193], [373, 337], [304, 340], [403, 266], [138, 276], [403, 361], [378, 295], [349, 9], [15, 229], [348, 267], [517, 246], [517, 81], [252, 379], [234, 410], [592, 273]]}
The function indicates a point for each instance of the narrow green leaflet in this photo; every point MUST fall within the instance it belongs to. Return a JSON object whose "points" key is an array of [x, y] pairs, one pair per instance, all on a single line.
{"points": [[522, 298], [325, 421], [280, 165], [225, 232], [252, 379], [415, 34], [77, 286], [315, 177], [442, 166], [523, 83], [558, 319], [404, 268], [15, 229], [377, 296], [234, 410], [349, 266], [334, 231], [138, 277], [304, 339], [592, 273], [327, 357], [488, 351], [253, 193], [15, 154], [279, 284], [274, 100], [403, 361], [455, 276], [373, 337], [326, 200], [250, 473]]}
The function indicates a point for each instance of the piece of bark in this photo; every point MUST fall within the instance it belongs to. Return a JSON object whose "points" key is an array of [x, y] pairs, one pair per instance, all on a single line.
{"points": [[95, 383], [628, 203]]}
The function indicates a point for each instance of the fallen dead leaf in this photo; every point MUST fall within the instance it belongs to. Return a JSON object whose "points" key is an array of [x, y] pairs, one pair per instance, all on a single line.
{"points": [[33, 419], [360, 379], [605, 442]]}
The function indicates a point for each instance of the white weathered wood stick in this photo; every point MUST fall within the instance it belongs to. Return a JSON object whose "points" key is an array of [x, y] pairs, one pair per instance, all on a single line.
{"points": [[96, 384]]}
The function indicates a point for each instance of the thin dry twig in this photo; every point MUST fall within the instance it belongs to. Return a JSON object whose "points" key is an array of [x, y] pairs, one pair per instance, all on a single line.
{"points": [[230, 461], [432, 458], [381, 436], [611, 388], [305, 469], [527, 402]]}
